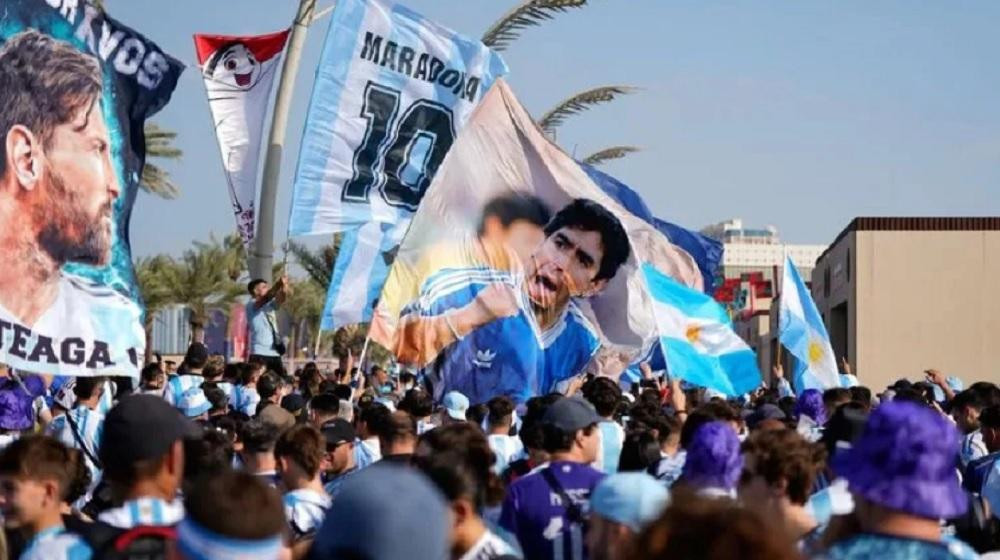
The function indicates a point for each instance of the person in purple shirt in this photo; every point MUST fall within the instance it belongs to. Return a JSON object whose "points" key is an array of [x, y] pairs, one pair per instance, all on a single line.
{"points": [[546, 509]]}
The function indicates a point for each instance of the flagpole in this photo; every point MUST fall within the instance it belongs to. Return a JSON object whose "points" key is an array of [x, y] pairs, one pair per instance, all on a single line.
{"points": [[262, 255]]}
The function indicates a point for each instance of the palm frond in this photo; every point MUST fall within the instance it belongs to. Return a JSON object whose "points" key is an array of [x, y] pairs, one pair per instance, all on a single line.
{"points": [[616, 152], [318, 264], [157, 181], [528, 13], [159, 145], [579, 103]]}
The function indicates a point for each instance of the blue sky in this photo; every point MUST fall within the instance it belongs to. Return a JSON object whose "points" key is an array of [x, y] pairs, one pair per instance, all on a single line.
{"points": [[797, 114]]}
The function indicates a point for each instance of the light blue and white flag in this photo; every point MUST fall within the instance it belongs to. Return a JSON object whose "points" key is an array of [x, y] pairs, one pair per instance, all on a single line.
{"points": [[362, 265], [802, 332], [697, 337], [392, 91]]}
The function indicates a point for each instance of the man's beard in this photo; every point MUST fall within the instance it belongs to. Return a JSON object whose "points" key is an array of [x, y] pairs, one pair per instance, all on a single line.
{"points": [[68, 233]]}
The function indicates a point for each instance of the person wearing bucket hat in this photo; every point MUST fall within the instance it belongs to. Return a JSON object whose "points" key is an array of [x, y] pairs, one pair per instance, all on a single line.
{"points": [[902, 474], [620, 507], [810, 414], [713, 464]]}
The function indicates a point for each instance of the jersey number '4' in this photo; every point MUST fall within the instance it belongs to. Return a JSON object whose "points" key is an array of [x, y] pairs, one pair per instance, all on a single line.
{"points": [[408, 150]]}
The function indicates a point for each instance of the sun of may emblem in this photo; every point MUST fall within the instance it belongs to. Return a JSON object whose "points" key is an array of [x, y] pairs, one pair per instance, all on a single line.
{"points": [[815, 351], [693, 333]]}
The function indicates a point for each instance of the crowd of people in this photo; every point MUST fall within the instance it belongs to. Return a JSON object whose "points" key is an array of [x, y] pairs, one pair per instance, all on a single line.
{"points": [[241, 460]]}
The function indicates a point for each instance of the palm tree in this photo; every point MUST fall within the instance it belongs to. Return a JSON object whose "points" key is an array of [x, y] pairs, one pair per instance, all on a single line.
{"points": [[318, 264], [531, 13], [200, 281], [304, 306], [150, 273], [607, 154]]}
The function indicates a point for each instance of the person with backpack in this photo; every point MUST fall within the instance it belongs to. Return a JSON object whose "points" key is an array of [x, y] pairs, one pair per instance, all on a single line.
{"points": [[143, 454], [36, 476], [546, 510], [81, 427]]}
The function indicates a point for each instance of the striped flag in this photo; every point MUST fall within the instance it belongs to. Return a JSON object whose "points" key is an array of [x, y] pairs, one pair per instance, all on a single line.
{"points": [[698, 340], [359, 272]]}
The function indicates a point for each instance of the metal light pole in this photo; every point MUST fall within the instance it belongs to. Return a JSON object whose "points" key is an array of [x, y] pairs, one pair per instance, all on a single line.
{"points": [[262, 255]]}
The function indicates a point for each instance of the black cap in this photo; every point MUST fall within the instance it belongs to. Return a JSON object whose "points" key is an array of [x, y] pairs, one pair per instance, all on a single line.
{"points": [[338, 431], [293, 403], [765, 411], [571, 414], [142, 427]]}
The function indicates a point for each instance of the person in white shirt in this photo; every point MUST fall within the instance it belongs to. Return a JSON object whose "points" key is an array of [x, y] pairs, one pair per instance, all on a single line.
{"points": [[82, 427], [299, 453], [245, 397], [499, 420], [143, 453]]}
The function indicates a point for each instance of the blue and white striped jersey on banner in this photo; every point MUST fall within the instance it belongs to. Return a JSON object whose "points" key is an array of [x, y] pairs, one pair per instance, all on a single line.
{"points": [[391, 93]]}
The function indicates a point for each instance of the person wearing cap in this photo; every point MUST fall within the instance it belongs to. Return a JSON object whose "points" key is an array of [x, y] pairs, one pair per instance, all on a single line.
{"points": [[259, 437], [455, 406], [231, 515], [340, 463], [545, 510], [142, 450], [194, 362], [902, 474], [82, 427], [299, 452], [620, 507], [295, 404], [386, 512], [713, 464], [779, 470], [194, 405]]}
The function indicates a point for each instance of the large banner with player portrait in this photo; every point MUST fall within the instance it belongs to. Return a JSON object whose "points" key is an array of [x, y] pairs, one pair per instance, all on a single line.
{"points": [[518, 271], [238, 74], [75, 89]]}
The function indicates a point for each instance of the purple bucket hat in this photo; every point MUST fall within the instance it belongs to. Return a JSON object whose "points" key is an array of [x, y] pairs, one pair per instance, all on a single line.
{"points": [[810, 403], [906, 460], [713, 457]]}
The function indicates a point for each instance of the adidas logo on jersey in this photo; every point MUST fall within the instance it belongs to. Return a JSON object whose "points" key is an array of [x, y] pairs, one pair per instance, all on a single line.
{"points": [[484, 359]]}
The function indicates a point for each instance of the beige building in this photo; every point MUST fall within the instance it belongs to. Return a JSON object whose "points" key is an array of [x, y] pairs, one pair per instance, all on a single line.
{"points": [[900, 295]]}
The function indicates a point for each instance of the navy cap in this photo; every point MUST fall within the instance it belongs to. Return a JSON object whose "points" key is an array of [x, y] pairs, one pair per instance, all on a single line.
{"points": [[142, 427], [571, 414], [338, 431], [388, 512]]}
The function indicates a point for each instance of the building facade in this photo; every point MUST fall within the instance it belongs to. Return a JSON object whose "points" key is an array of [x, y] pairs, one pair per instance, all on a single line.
{"points": [[902, 295]]}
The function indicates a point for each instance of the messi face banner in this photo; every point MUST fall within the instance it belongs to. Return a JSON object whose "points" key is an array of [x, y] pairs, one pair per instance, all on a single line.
{"points": [[75, 88], [392, 91], [518, 270]]}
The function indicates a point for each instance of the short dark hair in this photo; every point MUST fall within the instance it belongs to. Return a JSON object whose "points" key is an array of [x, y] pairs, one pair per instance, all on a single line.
{"points": [[458, 460], [304, 445], [86, 386], [640, 450], [708, 412], [499, 408], [862, 395], [254, 283], [343, 391], [150, 372], [258, 436], [990, 417], [417, 402], [207, 455], [586, 215], [236, 505], [268, 385], [325, 403], [836, 396], [216, 397], [604, 394], [46, 82], [396, 426], [510, 208]]}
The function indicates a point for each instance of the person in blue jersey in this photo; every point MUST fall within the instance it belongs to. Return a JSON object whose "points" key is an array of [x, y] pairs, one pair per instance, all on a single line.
{"points": [[266, 346], [143, 455], [194, 362], [499, 421], [300, 451], [340, 463], [902, 472], [36, 476], [621, 506], [513, 328], [546, 510], [82, 427], [965, 410], [245, 396], [606, 396], [976, 471]]}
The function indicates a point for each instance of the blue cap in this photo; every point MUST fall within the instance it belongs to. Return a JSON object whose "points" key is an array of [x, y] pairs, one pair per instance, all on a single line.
{"points": [[456, 404], [633, 499], [571, 414], [388, 512]]}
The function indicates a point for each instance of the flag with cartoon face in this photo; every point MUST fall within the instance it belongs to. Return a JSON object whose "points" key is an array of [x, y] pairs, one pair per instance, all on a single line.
{"points": [[238, 74]]}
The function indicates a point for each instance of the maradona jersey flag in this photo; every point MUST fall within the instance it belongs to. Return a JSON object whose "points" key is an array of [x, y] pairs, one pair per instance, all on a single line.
{"points": [[392, 91], [238, 73], [517, 269], [75, 89]]}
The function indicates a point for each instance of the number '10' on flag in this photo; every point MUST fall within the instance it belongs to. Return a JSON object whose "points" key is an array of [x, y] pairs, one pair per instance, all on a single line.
{"points": [[698, 340], [392, 91]]}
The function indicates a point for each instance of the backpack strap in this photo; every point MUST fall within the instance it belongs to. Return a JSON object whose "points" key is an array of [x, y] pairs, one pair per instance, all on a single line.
{"points": [[573, 510], [79, 440]]}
